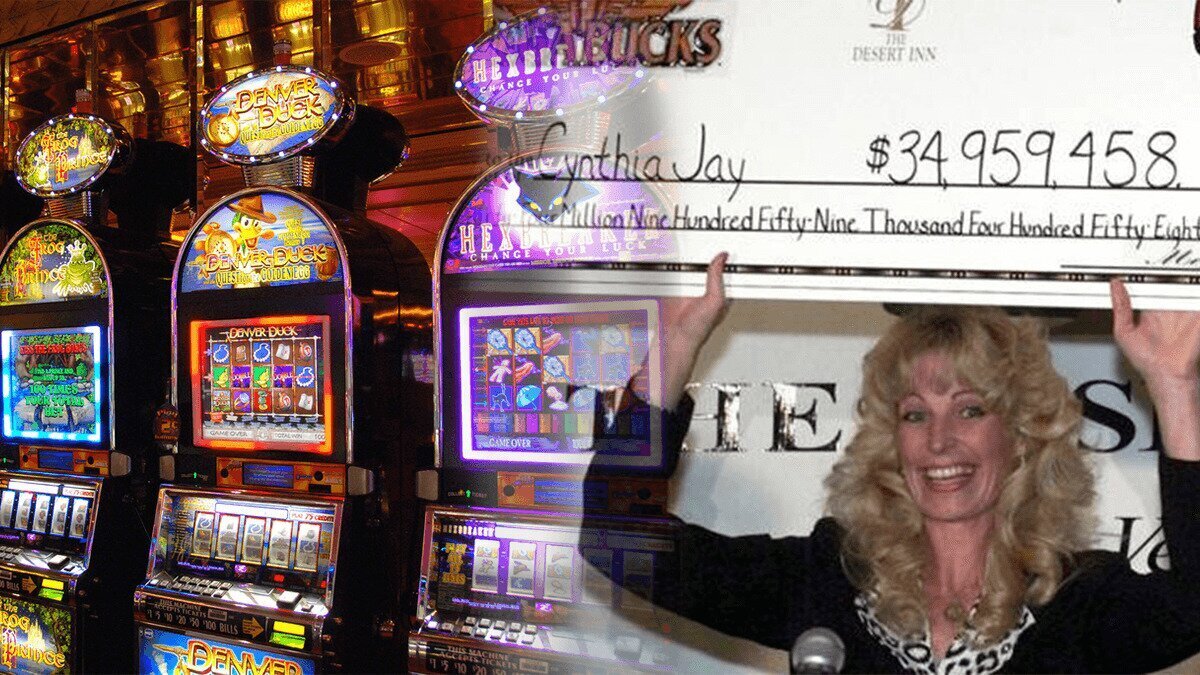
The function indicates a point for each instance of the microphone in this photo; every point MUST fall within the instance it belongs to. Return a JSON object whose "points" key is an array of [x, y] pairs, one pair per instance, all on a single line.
{"points": [[1196, 27], [818, 651]]}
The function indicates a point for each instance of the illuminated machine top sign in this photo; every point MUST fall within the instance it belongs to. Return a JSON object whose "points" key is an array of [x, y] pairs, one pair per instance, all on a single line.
{"points": [[269, 115], [533, 212], [67, 154], [259, 237], [49, 261], [531, 68]]}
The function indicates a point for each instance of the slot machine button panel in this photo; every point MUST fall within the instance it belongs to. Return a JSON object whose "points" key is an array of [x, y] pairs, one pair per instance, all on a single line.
{"points": [[481, 632], [527, 639], [510, 636], [466, 630], [499, 625], [496, 634], [530, 629], [485, 623], [469, 621], [514, 627], [446, 627]]}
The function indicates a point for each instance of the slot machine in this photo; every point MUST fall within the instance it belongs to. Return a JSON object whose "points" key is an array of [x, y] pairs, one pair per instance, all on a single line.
{"points": [[301, 347], [537, 380], [83, 310]]}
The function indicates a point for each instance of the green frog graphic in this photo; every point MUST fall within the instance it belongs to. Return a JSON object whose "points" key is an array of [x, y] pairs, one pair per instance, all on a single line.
{"points": [[77, 276], [38, 175]]}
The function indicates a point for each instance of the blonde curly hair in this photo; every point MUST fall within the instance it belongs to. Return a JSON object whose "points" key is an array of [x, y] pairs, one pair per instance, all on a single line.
{"points": [[1044, 512]]}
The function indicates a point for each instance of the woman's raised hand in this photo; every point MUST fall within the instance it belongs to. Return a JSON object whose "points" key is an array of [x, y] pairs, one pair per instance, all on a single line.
{"points": [[1164, 347], [687, 323]]}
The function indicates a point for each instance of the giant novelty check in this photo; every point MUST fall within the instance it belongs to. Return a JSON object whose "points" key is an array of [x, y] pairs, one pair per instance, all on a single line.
{"points": [[1017, 152]]}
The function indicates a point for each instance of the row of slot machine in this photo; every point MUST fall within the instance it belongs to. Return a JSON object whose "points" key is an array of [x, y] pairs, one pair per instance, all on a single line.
{"points": [[369, 468], [276, 533]]}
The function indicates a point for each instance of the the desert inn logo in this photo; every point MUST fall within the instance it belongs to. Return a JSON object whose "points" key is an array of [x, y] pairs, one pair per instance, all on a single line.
{"points": [[892, 20]]}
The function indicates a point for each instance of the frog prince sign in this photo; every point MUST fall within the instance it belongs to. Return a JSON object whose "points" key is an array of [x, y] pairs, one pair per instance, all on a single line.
{"points": [[50, 261], [67, 154]]}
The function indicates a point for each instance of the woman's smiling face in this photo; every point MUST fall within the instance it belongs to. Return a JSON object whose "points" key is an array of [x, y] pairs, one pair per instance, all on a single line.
{"points": [[954, 452]]}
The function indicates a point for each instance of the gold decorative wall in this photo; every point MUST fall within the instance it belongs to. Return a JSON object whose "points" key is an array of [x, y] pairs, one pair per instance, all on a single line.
{"points": [[150, 65]]}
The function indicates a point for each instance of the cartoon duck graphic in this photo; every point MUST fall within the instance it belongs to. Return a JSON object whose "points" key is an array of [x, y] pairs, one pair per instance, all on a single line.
{"points": [[248, 222]]}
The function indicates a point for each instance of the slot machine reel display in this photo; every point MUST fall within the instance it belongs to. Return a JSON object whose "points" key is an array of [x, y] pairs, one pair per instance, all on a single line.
{"points": [[539, 381], [527, 358], [302, 338], [79, 301], [512, 591]]}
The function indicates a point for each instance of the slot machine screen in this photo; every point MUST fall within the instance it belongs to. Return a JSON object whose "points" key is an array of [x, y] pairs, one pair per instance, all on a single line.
{"points": [[46, 515], [52, 384], [272, 543], [540, 569], [531, 375], [262, 384]]}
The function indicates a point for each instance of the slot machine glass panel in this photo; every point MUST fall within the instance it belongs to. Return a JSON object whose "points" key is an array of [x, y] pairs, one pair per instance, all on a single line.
{"points": [[529, 376], [49, 515], [239, 548], [523, 590]]}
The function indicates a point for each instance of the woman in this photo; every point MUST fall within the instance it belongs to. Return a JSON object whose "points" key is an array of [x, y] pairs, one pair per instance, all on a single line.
{"points": [[959, 515]]}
